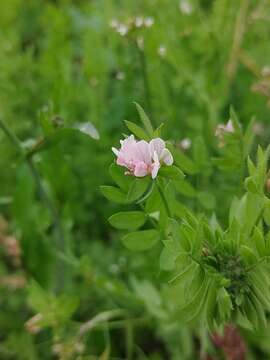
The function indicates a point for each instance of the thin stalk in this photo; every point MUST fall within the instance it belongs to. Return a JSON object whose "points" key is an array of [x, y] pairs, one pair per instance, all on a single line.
{"points": [[163, 197], [239, 31], [12, 137], [145, 78]]}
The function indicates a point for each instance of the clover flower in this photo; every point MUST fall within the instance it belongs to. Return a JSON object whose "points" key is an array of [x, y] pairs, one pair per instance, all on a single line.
{"points": [[142, 158]]}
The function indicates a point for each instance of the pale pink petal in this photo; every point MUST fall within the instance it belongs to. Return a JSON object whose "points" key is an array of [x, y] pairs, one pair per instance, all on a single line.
{"points": [[128, 140], [155, 166], [156, 145], [141, 169], [143, 152], [229, 127], [166, 157], [121, 161]]}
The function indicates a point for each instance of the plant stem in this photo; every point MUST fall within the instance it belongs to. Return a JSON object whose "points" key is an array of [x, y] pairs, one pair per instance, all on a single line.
{"points": [[147, 91], [12, 137], [239, 31], [163, 197]]}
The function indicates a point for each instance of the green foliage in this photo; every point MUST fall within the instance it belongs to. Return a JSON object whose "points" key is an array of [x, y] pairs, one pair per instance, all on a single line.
{"points": [[69, 77]]}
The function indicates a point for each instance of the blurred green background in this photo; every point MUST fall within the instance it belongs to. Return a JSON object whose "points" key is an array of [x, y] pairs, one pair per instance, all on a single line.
{"points": [[83, 61]]}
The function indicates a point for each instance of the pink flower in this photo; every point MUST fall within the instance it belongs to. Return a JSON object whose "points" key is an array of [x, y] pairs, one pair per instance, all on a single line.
{"points": [[142, 158], [223, 129]]}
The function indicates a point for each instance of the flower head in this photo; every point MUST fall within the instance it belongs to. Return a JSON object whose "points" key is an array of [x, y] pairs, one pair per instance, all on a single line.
{"points": [[223, 129], [142, 158]]}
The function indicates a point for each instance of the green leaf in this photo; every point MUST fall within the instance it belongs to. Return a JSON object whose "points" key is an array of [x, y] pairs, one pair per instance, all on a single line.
{"points": [[251, 185], [251, 167], [206, 199], [182, 234], [224, 303], [258, 240], [141, 240], [44, 117], [185, 188], [185, 163], [248, 255], [266, 213], [137, 130], [38, 298], [128, 220], [200, 154], [168, 256], [114, 194], [118, 175], [137, 188], [157, 132], [248, 138], [65, 306], [235, 121], [145, 120], [171, 172]]}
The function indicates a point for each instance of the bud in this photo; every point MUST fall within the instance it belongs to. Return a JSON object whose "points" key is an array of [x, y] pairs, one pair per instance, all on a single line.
{"points": [[222, 129], [33, 325]]}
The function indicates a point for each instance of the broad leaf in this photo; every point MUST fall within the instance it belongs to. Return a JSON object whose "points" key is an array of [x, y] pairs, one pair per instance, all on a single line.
{"points": [[128, 220], [141, 240]]}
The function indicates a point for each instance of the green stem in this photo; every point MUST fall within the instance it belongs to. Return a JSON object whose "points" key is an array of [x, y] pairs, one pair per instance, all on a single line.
{"points": [[12, 137], [147, 91], [163, 197]]}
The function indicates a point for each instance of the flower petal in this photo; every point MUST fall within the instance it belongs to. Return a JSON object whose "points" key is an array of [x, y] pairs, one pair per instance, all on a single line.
{"points": [[167, 157], [156, 145], [143, 152], [155, 165], [141, 169]]}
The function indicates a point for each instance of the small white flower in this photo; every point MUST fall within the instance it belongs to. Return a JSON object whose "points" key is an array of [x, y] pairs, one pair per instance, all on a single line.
{"points": [[185, 7], [122, 29], [114, 23], [138, 21], [120, 75], [162, 50], [185, 144], [148, 22]]}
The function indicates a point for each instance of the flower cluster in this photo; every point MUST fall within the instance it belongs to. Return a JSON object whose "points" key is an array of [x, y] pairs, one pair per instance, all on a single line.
{"points": [[123, 28], [142, 158]]}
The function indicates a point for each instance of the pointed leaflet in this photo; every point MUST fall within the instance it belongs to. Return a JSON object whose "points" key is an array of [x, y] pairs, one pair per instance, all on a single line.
{"points": [[141, 240], [145, 120], [128, 220]]}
